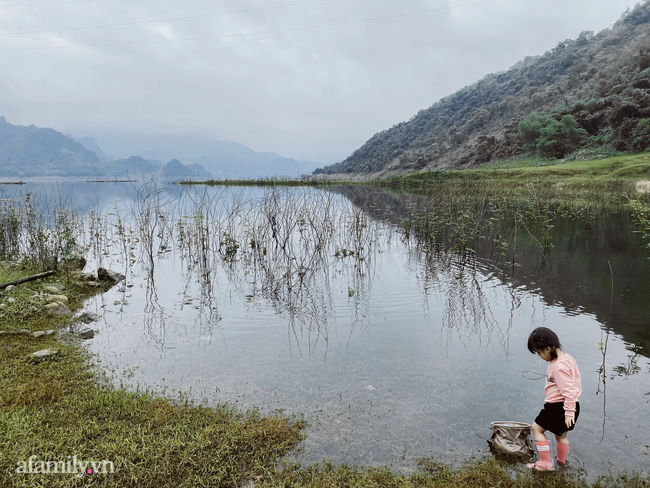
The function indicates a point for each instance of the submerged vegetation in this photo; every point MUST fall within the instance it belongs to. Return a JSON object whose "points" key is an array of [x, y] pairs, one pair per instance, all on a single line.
{"points": [[65, 405]]}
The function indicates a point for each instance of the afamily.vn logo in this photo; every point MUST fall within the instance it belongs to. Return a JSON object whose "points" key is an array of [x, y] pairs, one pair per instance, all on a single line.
{"points": [[71, 466]]}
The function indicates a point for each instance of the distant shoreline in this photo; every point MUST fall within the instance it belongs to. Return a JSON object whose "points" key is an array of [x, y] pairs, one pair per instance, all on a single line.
{"points": [[111, 181]]}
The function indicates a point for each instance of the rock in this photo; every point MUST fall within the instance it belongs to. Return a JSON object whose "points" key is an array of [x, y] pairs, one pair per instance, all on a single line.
{"points": [[87, 334], [56, 298], [11, 299], [76, 261], [643, 186], [43, 333], [3, 306], [88, 317], [86, 277], [10, 287], [58, 310], [9, 264], [55, 288], [44, 353], [108, 275], [94, 283]]}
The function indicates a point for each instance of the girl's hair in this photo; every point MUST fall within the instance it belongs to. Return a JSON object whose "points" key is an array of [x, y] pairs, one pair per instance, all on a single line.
{"points": [[541, 338]]}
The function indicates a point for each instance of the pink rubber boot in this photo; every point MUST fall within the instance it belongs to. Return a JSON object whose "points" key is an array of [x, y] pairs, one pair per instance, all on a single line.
{"points": [[544, 462], [562, 452]]}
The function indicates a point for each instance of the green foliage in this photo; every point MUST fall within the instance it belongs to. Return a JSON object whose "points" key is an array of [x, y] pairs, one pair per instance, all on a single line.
{"points": [[530, 130], [228, 246], [549, 137], [641, 215], [559, 138], [9, 233]]}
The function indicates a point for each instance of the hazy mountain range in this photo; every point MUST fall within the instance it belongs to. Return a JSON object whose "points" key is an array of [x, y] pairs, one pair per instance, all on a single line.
{"points": [[602, 81], [224, 159], [33, 152]]}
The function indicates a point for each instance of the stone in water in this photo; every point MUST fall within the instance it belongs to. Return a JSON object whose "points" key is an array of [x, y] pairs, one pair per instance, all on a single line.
{"points": [[87, 334]]}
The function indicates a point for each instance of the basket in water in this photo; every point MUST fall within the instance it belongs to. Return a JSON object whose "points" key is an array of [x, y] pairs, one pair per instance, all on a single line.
{"points": [[512, 438]]}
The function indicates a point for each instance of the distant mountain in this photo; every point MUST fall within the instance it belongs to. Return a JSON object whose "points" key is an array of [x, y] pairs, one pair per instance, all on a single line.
{"points": [[224, 159], [137, 167], [593, 91], [90, 143], [176, 169], [35, 152], [132, 167]]}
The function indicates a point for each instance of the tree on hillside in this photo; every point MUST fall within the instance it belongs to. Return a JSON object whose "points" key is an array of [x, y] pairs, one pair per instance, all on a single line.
{"points": [[560, 138], [530, 130], [549, 137]]}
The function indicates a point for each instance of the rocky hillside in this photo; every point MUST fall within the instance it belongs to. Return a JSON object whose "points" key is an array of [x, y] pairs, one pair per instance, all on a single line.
{"points": [[600, 81], [35, 152]]}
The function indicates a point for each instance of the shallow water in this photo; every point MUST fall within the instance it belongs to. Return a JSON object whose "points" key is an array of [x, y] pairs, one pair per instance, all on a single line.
{"points": [[401, 355]]}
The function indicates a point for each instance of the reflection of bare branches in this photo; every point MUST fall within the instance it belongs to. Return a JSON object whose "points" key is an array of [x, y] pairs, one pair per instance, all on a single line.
{"points": [[282, 244], [602, 377], [631, 367], [602, 370], [154, 313], [467, 309]]}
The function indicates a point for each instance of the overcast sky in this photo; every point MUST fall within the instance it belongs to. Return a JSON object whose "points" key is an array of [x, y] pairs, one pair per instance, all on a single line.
{"points": [[308, 79]]}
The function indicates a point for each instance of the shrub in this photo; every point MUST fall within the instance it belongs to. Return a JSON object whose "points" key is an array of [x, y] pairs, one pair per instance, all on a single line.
{"points": [[559, 138], [549, 137], [530, 130]]}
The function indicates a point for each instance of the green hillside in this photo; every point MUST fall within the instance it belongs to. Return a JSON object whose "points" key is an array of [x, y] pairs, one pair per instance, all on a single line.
{"points": [[589, 94]]}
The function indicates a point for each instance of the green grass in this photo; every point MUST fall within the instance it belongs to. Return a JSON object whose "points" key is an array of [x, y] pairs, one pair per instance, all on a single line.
{"points": [[616, 171], [475, 473]]}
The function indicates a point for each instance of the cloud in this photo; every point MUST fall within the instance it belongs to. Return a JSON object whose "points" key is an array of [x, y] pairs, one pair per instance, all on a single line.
{"points": [[306, 92]]}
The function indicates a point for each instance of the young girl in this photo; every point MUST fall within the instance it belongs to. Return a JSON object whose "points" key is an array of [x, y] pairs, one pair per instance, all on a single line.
{"points": [[561, 407]]}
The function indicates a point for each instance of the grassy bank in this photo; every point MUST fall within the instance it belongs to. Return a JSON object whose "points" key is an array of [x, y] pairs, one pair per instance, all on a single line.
{"points": [[63, 406], [620, 172]]}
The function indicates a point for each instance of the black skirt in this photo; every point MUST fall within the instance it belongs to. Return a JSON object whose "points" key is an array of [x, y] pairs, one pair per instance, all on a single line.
{"points": [[551, 417]]}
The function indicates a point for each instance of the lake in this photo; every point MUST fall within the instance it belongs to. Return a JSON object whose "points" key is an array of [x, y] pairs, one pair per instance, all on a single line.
{"points": [[313, 302]]}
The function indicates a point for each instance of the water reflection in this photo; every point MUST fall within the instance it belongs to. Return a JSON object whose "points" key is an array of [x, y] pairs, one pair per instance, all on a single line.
{"points": [[588, 255]]}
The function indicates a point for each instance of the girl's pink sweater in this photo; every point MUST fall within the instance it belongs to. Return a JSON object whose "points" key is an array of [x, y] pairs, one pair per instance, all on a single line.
{"points": [[563, 383]]}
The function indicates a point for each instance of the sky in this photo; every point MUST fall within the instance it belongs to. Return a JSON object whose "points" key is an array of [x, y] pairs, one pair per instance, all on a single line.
{"points": [[308, 79]]}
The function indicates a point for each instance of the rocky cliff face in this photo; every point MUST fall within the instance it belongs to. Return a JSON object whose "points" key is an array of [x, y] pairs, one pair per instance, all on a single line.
{"points": [[602, 80]]}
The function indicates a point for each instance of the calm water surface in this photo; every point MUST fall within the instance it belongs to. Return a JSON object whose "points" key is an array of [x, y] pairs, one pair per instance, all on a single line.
{"points": [[398, 356]]}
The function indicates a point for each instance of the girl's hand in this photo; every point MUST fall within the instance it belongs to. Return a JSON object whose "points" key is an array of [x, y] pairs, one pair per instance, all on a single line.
{"points": [[569, 420]]}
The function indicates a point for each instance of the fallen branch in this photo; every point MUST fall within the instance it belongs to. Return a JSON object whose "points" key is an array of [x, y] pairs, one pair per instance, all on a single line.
{"points": [[29, 278]]}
